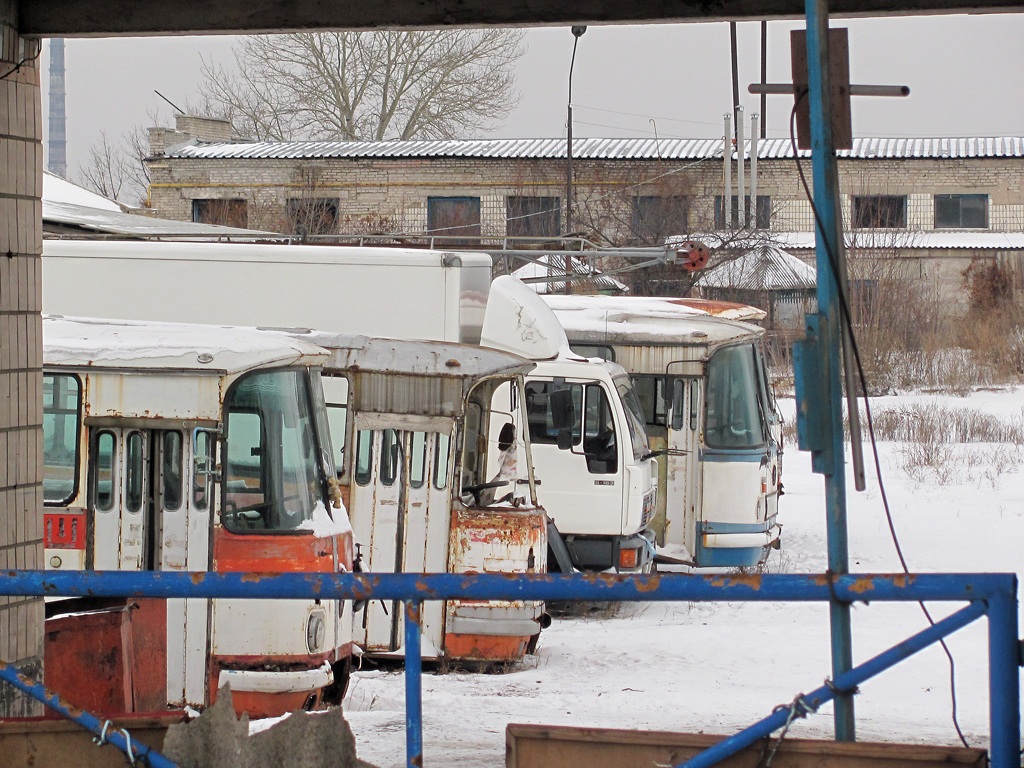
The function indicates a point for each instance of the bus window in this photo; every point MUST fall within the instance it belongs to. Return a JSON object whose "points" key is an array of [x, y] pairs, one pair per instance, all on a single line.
{"points": [[733, 407], [202, 457], [135, 469], [364, 456], [273, 471], [104, 458], [417, 459], [61, 437], [650, 393], [442, 448], [336, 397], [171, 471], [390, 452]]}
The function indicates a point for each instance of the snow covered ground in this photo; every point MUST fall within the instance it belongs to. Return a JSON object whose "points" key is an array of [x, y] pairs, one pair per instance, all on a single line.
{"points": [[718, 667]]}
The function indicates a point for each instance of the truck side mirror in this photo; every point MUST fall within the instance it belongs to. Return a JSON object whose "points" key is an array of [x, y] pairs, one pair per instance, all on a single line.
{"points": [[562, 410], [565, 439]]}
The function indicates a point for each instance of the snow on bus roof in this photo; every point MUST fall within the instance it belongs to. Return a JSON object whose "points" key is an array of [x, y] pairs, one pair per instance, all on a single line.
{"points": [[126, 344], [644, 320]]}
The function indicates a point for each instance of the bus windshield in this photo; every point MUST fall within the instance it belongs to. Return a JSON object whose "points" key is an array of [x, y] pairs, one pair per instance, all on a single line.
{"points": [[734, 417], [272, 469]]}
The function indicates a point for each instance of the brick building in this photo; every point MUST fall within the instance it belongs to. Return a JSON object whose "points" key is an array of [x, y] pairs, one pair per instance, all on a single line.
{"points": [[935, 205]]}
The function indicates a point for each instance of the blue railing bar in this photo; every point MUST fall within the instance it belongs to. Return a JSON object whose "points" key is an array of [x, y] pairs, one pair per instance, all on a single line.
{"points": [[846, 682], [413, 686], [1004, 681], [100, 728], [444, 586]]}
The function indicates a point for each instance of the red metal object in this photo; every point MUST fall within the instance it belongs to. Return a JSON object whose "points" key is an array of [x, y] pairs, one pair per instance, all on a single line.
{"points": [[694, 255], [111, 660], [485, 647]]}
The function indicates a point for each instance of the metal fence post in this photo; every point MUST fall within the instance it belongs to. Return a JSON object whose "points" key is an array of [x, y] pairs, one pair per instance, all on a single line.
{"points": [[1004, 681], [413, 686]]}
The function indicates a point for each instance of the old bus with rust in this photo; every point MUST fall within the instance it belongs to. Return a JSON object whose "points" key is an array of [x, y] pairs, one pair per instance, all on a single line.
{"points": [[416, 428], [598, 484], [709, 407], [173, 447]]}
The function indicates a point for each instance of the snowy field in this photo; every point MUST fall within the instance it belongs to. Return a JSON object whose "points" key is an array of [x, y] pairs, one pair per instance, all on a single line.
{"points": [[718, 667]]}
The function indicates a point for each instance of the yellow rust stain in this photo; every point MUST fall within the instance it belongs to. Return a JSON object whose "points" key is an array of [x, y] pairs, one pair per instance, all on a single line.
{"points": [[198, 577], [752, 580]]}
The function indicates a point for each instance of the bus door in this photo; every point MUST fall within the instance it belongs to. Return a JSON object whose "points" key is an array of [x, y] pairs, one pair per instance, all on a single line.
{"points": [[400, 517], [151, 512], [683, 490]]}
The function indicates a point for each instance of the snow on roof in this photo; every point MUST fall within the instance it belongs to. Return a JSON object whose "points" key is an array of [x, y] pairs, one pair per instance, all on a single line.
{"points": [[595, 148], [937, 239], [765, 268], [597, 322], [61, 191], [550, 265], [206, 349]]}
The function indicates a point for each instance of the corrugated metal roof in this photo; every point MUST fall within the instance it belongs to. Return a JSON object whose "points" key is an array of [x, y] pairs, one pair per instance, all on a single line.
{"points": [[593, 149], [766, 268], [537, 276], [938, 239]]}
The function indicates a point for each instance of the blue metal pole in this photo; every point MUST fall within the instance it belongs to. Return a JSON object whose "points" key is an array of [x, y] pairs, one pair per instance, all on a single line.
{"points": [[1004, 659], [773, 587], [848, 681], [101, 729], [831, 463], [413, 686]]}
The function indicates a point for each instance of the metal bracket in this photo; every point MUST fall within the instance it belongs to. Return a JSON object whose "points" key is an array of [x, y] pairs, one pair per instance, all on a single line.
{"points": [[813, 423]]}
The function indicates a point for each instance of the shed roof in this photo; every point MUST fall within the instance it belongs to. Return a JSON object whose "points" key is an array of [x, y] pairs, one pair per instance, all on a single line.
{"points": [[765, 268]]}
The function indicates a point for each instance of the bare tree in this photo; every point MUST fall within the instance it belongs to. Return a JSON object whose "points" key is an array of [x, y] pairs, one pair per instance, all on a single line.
{"points": [[118, 172], [368, 85]]}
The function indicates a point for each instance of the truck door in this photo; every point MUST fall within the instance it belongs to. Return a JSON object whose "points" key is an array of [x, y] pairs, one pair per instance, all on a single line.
{"points": [[682, 490], [582, 485]]}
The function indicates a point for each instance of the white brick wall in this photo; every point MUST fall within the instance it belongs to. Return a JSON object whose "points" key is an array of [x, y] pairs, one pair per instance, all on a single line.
{"points": [[21, 619]]}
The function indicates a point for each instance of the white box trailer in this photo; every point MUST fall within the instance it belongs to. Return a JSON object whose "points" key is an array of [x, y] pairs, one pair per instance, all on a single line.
{"points": [[589, 438]]}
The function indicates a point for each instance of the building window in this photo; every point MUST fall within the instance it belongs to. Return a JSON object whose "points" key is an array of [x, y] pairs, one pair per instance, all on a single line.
{"points": [[880, 212], [533, 216], [961, 211], [313, 215], [457, 219], [657, 217], [227, 213], [762, 217]]}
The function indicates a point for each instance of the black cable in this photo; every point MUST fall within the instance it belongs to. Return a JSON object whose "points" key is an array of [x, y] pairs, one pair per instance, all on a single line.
{"points": [[848, 317], [23, 62]]}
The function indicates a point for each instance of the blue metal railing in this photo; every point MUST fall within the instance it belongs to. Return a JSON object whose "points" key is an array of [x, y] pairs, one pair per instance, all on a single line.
{"points": [[994, 595]]}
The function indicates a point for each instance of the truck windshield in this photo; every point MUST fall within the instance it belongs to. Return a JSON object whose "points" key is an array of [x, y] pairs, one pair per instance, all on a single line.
{"points": [[734, 417], [272, 468], [634, 416]]}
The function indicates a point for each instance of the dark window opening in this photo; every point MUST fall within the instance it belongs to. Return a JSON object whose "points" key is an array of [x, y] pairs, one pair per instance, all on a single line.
{"points": [[762, 216], [656, 218], [454, 219], [226, 213], [313, 215], [880, 212], [533, 216]]}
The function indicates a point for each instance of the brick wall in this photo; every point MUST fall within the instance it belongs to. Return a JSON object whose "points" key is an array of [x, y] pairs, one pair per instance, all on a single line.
{"points": [[21, 352]]}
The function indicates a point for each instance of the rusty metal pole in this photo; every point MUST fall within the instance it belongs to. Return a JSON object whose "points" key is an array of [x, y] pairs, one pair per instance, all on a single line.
{"points": [[831, 460]]}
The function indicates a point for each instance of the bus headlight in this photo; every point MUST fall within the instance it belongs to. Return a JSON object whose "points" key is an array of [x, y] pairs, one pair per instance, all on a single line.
{"points": [[316, 629]]}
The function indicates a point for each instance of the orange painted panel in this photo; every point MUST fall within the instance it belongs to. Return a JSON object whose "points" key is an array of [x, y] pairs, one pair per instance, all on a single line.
{"points": [[485, 647], [288, 553]]}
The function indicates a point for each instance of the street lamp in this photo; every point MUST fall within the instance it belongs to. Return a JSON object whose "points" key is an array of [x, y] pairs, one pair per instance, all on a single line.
{"points": [[577, 33]]}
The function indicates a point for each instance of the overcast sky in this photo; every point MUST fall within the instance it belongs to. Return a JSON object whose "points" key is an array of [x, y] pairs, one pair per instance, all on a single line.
{"points": [[966, 75]]}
